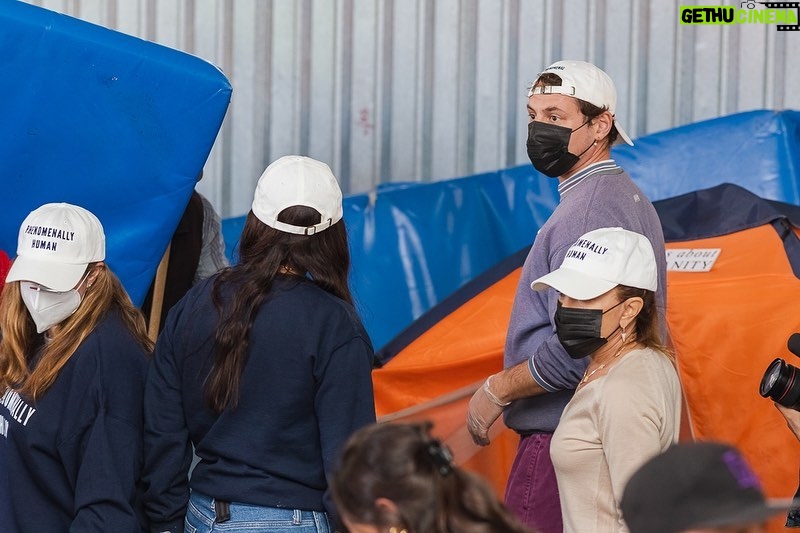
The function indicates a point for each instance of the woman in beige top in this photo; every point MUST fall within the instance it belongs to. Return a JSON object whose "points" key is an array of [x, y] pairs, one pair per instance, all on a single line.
{"points": [[626, 408]]}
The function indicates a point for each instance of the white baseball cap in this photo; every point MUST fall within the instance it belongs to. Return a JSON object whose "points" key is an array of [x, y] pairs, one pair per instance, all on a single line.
{"points": [[584, 81], [599, 261], [298, 180], [55, 245]]}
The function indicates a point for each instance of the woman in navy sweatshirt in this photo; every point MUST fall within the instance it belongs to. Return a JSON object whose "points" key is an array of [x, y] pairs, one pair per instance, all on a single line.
{"points": [[264, 368], [73, 360]]}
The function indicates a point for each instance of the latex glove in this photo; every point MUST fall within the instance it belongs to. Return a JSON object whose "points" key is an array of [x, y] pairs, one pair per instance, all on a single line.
{"points": [[484, 408]]}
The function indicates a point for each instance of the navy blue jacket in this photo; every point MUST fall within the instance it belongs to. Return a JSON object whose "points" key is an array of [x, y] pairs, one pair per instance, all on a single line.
{"points": [[305, 388], [74, 457]]}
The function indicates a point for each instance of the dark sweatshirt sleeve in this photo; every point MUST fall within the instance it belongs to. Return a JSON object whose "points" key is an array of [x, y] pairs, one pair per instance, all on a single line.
{"points": [[168, 451], [104, 458], [110, 460], [344, 402]]}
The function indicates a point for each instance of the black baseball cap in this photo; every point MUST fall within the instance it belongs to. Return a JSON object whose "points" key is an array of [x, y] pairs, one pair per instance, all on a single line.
{"points": [[695, 485]]}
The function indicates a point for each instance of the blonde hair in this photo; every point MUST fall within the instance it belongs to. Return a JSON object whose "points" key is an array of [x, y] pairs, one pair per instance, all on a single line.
{"points": [[20, 340]]}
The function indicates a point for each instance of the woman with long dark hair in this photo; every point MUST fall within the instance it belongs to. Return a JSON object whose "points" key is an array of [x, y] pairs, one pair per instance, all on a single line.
{"points": [[73, 359], [398, 478], [265, 369]]}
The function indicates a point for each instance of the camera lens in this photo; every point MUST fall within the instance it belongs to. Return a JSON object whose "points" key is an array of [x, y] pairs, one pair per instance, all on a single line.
{"points": [[780, 384]]}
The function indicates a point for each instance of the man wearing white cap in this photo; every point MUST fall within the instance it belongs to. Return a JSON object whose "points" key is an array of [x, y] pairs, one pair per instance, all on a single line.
{"points": [[572, 126]]}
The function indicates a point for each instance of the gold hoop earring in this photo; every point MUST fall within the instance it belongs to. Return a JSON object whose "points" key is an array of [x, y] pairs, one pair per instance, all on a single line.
{"points": [[624, 335]]}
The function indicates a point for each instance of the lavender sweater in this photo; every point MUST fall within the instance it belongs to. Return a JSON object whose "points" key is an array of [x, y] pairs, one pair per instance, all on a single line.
{"points": [[601, 195]]}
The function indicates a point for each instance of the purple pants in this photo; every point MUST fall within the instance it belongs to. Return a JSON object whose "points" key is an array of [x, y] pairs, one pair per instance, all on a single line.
{"points": [[532, 491]]}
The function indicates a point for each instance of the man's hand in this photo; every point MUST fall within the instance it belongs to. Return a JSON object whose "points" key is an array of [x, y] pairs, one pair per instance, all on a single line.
{"points": [[484, 409], [792, 419]]}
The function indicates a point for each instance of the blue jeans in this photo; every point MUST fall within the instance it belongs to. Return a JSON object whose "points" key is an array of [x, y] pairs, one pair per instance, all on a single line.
{"points": [[200, 518]]}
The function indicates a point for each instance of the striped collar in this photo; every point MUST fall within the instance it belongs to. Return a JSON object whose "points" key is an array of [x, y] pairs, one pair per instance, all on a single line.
{"points": [[594, 168]]}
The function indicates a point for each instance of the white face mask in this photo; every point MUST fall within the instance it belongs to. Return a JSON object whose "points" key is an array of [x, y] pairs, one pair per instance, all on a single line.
{"points": [[48, 308]]}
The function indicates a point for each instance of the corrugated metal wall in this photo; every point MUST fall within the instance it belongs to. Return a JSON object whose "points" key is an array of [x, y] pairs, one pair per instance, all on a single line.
{"points": [[416, 90]]}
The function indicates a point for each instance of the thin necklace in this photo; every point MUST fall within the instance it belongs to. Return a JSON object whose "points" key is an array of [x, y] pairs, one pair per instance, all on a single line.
{"points": [[587, 374]]}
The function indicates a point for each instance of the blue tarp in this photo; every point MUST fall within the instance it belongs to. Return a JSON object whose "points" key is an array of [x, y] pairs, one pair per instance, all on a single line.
{"points": [[757, 150], [123, 126], [414, 244], [118, 125]]}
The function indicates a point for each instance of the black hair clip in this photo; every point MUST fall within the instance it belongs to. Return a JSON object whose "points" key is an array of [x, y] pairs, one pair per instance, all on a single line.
{"points": [[441, 455]]}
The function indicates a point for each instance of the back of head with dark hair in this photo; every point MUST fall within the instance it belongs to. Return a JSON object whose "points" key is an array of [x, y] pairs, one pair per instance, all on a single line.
{"points": [[264, 252], [403, 463]]}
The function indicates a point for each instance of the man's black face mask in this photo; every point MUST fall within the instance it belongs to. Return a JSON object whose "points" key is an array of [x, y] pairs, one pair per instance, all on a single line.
{"points": [[548, 148]]}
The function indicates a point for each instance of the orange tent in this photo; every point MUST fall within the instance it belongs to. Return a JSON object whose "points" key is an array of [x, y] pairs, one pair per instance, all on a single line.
{"points": [[727, 323], [442, 359]]}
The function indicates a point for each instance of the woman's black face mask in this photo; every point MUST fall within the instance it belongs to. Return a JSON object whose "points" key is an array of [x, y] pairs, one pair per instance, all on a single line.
{"points": [[579, 330]]}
